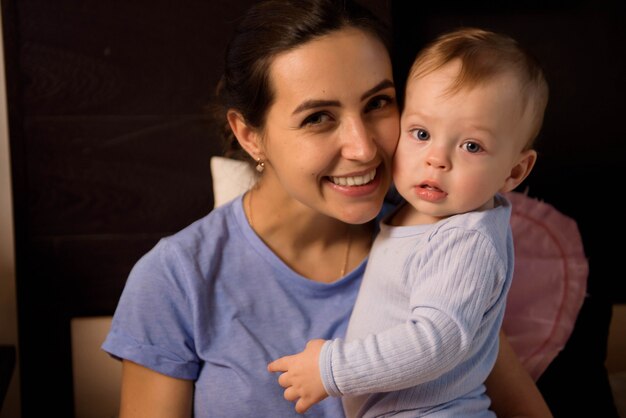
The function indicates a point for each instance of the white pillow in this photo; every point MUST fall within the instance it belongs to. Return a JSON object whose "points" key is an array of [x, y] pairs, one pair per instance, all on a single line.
{"points": [[230, 179]]}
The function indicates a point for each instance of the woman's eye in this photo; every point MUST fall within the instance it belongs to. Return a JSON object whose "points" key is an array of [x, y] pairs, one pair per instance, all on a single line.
{"points": [[472, 147], [379, 102], [420, 134], [315, 119]]}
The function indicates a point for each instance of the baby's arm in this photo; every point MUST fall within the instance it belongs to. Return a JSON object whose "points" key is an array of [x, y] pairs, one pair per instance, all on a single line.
{"points": [[301, 376]]}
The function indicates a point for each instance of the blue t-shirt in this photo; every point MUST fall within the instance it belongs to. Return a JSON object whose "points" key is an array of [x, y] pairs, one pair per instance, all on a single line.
{"points": [[214, 304]]}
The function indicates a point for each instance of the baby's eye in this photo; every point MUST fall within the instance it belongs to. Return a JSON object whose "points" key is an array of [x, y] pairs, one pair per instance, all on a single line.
{"points": [[315, 119], [472, 147], [420, 134]]}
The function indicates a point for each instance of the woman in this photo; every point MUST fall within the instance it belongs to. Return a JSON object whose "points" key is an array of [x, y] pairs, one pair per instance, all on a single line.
{"points": [[309, 94]]}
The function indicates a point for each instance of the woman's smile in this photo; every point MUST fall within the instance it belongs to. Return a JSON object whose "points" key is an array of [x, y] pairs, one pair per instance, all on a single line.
{"points": [[359, 180]]}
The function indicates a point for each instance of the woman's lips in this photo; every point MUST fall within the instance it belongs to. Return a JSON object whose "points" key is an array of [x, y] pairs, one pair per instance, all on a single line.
{"points": [[356, 186], [354, 180]]}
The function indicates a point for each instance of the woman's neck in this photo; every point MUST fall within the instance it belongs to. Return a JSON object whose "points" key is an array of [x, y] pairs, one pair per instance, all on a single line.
{"points": [[314, 245]]}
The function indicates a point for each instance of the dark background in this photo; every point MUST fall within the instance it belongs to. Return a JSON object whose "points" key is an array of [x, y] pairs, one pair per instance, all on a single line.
{"points": [[110, 148]]}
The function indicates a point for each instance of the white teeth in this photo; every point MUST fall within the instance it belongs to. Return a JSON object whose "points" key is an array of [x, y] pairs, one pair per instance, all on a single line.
{"points": [[354, 180]]}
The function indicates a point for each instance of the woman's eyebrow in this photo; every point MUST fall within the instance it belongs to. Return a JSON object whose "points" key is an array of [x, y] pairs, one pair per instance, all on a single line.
{"points": [[386, 83], [311, 104]]}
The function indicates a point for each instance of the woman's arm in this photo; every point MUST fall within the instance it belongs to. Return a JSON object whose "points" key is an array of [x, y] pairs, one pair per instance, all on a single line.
{"points": [[512, 391], [146, 393]]}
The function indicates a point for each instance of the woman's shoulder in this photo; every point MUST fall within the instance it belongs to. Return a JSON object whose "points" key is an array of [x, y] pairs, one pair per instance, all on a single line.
{"points": [[219, 221], [202, 237], [193, 251]]}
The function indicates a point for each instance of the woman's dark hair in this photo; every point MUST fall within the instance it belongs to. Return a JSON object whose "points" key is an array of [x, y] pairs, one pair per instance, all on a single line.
{"points": [[269, 28]]}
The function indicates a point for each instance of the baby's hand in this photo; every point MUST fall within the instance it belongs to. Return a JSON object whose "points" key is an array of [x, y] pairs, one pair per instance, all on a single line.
{"points": [[301, 376]]}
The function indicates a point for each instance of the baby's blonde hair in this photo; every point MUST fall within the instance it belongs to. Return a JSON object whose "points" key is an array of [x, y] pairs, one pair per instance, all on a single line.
{"points": [[483, 55]]}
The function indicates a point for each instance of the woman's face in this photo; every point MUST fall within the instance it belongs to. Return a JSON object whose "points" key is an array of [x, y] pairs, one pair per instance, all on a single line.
{"points": [[333, 127]]}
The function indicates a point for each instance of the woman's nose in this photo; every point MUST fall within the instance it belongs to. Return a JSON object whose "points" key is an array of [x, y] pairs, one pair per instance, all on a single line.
{"points": [[359, 141]]}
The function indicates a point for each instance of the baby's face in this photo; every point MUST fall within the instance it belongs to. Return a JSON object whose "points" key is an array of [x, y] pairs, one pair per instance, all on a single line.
{"points": [[456, 150]]}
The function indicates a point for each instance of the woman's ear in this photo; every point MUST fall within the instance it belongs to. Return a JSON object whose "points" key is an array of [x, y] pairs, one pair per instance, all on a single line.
{"points": [[520, 170], [248, 137]]}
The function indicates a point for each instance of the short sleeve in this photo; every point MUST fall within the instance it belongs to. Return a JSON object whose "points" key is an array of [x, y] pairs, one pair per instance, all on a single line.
{"points": [[152, 324]]}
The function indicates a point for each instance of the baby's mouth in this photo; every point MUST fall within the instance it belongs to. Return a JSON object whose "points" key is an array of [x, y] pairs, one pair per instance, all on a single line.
{"points": [[429, 187]]}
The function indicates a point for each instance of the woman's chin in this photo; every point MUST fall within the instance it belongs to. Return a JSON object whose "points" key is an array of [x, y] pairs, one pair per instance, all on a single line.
{"points": [[360, 213]]}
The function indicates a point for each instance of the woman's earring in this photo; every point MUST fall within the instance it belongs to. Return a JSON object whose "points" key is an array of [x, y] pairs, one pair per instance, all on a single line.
{"points": [[260, 165]]}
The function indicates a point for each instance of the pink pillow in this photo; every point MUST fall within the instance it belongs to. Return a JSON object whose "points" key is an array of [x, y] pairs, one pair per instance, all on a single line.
{"points": [[549, 282]]}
